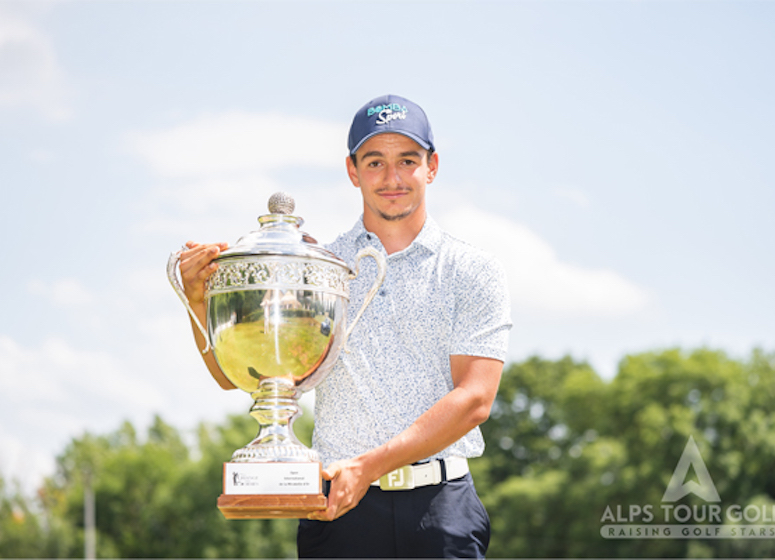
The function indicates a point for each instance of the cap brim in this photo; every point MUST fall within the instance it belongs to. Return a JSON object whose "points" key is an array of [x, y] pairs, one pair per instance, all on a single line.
{"points": [[414, 137]]}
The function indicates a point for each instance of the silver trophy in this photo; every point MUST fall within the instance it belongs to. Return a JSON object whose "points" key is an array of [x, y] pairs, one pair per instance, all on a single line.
{"points": [[276, 322]]}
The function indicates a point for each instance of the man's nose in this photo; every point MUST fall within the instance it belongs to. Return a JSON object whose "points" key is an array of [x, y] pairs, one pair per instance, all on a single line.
{"points": [[392, 177]]}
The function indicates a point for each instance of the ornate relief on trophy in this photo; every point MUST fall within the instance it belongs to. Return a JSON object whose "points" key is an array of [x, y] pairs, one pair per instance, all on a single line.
{"points": [[276, 322]]}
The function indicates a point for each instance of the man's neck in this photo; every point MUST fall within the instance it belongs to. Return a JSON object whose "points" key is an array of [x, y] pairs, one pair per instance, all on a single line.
{"points": [[395, 235]]}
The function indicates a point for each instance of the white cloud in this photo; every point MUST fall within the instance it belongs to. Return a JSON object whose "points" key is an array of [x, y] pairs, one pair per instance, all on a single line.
{"points": [[215, 174], [66, 292], [22, 462], [57, 373], [53, 391], [218, 209], [540, 282], [30, 73], [240, 142]]}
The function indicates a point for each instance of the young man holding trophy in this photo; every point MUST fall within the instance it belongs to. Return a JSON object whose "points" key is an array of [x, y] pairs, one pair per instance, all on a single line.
{"points": [[397, 417]]}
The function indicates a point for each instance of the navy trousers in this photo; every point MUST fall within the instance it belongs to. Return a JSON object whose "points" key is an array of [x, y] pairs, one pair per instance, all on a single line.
{"points": [[446, 520]]}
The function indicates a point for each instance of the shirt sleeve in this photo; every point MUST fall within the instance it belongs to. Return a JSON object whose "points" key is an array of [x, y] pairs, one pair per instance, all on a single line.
{"points": [[482, 316]]}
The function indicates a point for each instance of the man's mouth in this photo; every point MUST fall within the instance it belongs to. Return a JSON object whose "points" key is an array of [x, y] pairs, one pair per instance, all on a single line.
{"points": [[393, 194]]}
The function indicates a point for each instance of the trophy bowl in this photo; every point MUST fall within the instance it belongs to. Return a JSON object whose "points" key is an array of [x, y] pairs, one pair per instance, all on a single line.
{"points": [[276, 326], [276, 311]]}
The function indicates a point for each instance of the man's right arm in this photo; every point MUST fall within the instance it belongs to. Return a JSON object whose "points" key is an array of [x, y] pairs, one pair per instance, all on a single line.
{"points": [[196, 266]]}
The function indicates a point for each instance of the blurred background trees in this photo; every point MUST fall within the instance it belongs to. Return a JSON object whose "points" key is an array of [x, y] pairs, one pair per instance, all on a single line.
{"points": [[562, 446], [155, 497]]}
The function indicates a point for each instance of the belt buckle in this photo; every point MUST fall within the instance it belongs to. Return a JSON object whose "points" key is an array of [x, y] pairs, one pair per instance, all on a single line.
{"points": [[399, 479]]}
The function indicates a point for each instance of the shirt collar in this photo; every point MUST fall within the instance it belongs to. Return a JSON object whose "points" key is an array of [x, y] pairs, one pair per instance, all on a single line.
{"points": [[429, 238]]}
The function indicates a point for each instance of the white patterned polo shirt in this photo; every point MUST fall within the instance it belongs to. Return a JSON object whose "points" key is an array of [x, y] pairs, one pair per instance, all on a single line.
{"points": [[440, 297]]}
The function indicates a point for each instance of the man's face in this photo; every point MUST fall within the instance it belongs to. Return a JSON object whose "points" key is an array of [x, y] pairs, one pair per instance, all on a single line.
{"points": [[392, 172]]}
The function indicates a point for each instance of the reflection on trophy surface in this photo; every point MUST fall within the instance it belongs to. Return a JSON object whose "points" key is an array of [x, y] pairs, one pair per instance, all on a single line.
{"points": [[285, 333], [276, 322]]}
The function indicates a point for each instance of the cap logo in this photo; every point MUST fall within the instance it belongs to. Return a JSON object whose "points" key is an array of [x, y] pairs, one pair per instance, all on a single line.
{"points": [[387, 113]]}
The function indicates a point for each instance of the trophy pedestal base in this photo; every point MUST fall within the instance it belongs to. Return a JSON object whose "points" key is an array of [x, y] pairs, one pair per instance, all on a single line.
{"points": [[278, 506]]}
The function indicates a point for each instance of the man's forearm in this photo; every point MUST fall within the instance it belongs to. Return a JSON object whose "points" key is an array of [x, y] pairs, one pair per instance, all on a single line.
{"points": [[451, 418], [209, 358]]}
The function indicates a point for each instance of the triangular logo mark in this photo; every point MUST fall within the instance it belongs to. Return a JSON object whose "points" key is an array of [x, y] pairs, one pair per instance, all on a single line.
{"points": [[679, 487]]}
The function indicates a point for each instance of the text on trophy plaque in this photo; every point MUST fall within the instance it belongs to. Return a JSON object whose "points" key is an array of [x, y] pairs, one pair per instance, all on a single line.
{"points": [[271, 478]]}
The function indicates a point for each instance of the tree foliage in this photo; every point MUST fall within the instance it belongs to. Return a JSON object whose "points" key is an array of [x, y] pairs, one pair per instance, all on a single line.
{"points": [[580, 446], [155, 497], [564, 448]]}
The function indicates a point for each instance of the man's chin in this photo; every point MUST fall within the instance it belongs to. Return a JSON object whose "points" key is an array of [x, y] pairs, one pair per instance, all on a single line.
{"points": [[394, 217]]}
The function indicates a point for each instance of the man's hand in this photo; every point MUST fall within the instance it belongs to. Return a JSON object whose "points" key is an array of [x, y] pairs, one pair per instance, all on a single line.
{"points": [[196, 266], [349, 483], [475, 381]]}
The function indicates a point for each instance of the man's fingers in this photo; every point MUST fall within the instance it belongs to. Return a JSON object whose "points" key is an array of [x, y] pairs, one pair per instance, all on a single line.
{"points": [[198, 258], [196, 266], [328, 514], [340, 497], [331, 472], [190, 248]]}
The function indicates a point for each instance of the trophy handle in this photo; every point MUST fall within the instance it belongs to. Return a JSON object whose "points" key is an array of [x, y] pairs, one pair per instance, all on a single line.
{"points": [[172, 267], [381, 272]]}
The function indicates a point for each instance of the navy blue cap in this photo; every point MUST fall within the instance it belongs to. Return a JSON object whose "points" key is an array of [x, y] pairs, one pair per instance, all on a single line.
{"points": [[390, 113]]}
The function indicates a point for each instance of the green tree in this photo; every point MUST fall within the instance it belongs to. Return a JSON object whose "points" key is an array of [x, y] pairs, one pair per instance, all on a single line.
{"points": [[543, 408], [26, 532], [541, 475], [155, 497], [583, 446]]}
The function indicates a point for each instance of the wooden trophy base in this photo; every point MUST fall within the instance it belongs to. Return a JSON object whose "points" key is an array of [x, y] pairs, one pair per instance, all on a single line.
{"points": [[277, 506], [271, 490]]}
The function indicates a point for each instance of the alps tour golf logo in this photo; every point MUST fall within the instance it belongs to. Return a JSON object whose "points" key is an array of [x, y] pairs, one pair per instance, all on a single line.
{"points": [[709, 520]]}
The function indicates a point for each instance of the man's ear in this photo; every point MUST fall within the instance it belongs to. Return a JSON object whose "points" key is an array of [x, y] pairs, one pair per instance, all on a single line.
{"points": [[352, 172], [433, 166]]}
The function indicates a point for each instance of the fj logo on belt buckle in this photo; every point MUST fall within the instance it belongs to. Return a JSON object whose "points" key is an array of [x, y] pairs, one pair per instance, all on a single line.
{"points": [[399, 479]]}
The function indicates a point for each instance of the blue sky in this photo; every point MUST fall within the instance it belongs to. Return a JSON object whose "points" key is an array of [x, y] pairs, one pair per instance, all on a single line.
{"points": [[616, 155]]}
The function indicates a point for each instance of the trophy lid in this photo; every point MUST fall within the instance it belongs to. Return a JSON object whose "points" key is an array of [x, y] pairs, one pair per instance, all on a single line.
{"points": [[279, 235]]}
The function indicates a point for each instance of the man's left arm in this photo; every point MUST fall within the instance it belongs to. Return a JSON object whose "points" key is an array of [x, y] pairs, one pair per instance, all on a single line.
{"points": [[475, 384]]}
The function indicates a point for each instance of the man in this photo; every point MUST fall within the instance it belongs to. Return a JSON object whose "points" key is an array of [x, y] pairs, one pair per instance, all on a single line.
{"points": [[397, 418]]}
